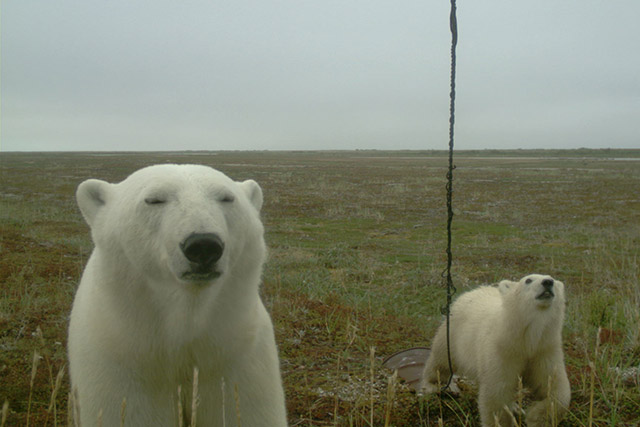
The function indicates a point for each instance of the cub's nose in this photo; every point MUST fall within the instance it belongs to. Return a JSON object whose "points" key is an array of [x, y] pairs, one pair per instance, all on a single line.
{"points": [[547, 284], [203, 249]]}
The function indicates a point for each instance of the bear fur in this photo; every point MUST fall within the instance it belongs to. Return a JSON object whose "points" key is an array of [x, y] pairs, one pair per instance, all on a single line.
{"points": [[172, 285], [498, 334]]}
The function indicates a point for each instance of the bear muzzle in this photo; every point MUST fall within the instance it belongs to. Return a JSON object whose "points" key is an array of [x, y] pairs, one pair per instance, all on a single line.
{"points": [[202, 250], [547, 292]]}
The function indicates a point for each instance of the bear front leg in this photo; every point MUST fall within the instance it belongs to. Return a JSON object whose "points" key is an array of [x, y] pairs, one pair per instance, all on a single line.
{"points": [[496, 400], [552, 408], [436, 369], [553, 393], [140, 408]]}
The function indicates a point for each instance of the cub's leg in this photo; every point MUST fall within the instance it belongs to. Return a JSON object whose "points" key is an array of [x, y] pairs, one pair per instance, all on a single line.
{"points": [[436, 369], [496, 398], [550, 385]]}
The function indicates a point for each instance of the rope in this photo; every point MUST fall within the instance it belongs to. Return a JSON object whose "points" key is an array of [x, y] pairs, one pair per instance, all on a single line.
{"points": [[453, 23]]}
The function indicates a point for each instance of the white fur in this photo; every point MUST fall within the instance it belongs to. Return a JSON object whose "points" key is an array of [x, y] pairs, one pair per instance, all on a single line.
{"points": [[138, 328], [498, 334]]}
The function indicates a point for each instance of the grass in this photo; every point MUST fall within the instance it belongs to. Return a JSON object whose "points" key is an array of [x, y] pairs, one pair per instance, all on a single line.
{"points": [[354, 273]]}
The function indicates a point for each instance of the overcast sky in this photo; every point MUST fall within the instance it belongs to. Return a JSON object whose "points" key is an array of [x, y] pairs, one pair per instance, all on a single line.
{"points": [[323, 74]]}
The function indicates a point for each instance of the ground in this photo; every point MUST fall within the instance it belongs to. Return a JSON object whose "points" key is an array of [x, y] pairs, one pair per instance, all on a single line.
{"points": [[356, 254]]}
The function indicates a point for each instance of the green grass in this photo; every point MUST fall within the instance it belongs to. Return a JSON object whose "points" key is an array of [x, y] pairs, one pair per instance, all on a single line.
{"points": [[356, 254]]}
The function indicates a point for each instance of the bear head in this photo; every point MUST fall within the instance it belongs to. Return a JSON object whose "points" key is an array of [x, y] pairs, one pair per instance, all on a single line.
{"points": [[177, 223], [541, 290]]}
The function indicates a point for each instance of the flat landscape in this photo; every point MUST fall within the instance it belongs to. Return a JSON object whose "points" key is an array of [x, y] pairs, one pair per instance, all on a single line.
{"points": [[356, 254]]}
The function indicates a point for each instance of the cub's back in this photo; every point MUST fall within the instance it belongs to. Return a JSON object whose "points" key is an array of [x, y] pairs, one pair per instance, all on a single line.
{"points": [[474, 316], [479, 305]]}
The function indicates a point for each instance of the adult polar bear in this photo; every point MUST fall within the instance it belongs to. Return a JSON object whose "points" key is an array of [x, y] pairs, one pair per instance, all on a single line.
{"points": [[172, 284], [500, 334]]}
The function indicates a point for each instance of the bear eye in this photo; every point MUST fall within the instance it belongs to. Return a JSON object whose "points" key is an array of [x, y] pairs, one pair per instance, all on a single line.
{"points": [[154, 200], [528, 281], [227, 198]]}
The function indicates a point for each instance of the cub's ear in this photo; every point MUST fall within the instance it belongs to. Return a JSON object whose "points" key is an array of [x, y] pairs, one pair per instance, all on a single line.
{"points": [[505, 285], [253, 192], [91, 196]]}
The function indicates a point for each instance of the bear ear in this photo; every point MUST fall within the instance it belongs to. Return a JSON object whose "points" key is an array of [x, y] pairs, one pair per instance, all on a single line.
{"points": [[253, 192], [505, 285], [92, 195]]}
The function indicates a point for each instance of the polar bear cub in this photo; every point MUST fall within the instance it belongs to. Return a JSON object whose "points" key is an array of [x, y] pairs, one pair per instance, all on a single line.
{"points": [[498, 334], [172, 285]]}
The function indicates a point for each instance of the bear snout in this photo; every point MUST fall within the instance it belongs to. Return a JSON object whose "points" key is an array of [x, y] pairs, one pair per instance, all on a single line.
{"points": [[547, 293], [203, 250]]}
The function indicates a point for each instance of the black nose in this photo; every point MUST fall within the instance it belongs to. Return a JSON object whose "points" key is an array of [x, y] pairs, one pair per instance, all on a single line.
{"points": [[203, 249], [547, 284]]}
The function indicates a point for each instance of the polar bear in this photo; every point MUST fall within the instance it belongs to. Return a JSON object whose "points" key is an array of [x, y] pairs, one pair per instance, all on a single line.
{"points": [[498, 334], [172, 286]]}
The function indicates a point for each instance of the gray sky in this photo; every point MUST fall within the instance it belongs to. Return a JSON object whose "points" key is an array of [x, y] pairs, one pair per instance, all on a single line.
{"points": [[298, 74]]}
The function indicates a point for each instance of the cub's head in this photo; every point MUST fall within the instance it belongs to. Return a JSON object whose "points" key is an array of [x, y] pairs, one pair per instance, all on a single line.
{"points": [[177, 223], [540, 290]]}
